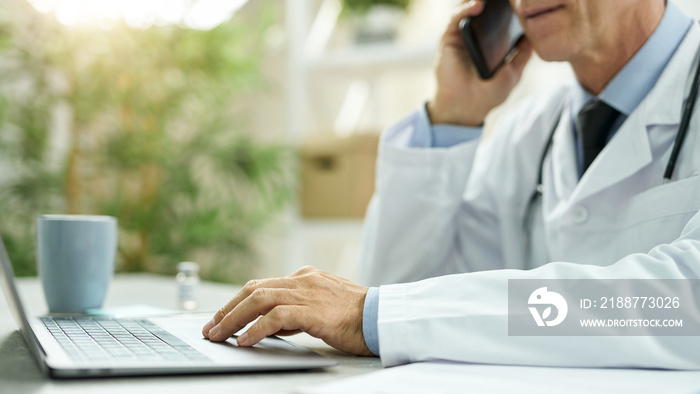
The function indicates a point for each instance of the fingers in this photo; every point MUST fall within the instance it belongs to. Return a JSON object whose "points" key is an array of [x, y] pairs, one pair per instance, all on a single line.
{"points": [[247, 290], [286, 333], [465, 10], [260, 302], [280, 318]]}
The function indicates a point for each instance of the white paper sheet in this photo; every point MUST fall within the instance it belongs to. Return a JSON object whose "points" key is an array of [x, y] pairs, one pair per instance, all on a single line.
{"points": [[445, 377]]}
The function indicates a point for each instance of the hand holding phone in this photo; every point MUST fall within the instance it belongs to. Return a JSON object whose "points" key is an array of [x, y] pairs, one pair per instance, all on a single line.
{"points": [[461, 96], [491, 36]]}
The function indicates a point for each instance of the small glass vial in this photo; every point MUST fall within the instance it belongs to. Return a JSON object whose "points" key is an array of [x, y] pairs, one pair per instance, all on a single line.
{"points": [[187, 279]]}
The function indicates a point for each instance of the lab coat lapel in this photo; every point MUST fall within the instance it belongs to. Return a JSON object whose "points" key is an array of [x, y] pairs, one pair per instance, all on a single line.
{"points": [[564, 167], [624, 155], [630, 150]]}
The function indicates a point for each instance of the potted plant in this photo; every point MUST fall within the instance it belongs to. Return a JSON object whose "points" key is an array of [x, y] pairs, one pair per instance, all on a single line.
{"points": [[375, 20], [150, 135]]}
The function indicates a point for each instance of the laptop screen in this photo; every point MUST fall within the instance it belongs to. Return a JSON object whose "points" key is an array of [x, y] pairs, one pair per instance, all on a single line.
{"points": [[7, 282]]}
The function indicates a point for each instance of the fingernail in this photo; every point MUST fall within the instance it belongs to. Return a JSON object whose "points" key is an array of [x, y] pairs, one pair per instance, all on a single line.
{"points": [[208, 327], [243, 339], [214, 331]]}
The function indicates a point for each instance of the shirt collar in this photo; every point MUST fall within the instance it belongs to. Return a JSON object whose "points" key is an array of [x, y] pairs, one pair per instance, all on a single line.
{"points": [[629, 87]]}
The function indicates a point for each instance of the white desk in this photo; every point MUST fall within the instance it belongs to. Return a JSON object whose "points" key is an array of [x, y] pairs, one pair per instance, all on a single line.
{"points": [[20, 374]]}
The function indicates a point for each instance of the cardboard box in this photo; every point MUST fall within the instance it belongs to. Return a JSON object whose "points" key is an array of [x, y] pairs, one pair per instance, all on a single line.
{"points": [[337, 175]]}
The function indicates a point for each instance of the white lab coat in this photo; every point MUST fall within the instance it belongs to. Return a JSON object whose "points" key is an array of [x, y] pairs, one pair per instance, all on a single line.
{"points": [[438, 212]]}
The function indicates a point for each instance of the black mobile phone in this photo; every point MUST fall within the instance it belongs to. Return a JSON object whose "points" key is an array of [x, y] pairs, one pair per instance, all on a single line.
{"points": [[491, 36]]}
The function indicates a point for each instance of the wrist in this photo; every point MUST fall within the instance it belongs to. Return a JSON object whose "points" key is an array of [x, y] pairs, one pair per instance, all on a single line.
{"points": [[359, 346], [439, 113]]}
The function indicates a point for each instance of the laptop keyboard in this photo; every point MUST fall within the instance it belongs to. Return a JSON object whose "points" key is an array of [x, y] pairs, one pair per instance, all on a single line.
{"points": [[122, 340]]}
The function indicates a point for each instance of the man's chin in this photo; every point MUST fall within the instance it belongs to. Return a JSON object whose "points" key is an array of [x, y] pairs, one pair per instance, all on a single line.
{"points": [[553, 52]]}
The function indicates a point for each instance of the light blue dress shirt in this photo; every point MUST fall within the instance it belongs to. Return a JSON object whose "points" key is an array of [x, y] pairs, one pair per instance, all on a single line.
{"points": [[624, 93]]}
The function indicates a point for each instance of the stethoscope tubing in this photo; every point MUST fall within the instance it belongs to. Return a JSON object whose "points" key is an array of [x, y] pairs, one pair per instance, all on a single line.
{"points": [[688, 110]]}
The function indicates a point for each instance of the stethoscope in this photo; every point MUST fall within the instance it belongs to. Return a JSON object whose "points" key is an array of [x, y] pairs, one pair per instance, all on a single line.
{"points": [[688, 109]]}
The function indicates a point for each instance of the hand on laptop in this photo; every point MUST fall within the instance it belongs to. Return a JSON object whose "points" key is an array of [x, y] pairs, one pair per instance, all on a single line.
{"points": [[323, 305]]}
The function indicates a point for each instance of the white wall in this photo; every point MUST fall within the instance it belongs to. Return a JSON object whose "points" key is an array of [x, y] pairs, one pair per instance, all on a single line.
{"points": [[333, 245]]}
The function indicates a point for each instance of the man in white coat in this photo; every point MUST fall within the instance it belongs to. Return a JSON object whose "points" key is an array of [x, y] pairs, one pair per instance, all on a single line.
{"points": [[452, 220]]}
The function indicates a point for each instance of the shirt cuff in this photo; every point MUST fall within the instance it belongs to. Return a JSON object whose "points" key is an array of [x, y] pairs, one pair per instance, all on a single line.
{"points": [[370, 317], [445, 135], [426, 135]]}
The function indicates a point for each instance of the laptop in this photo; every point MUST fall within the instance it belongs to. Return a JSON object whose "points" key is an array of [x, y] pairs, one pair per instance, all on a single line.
{"points": [[85, 346]]}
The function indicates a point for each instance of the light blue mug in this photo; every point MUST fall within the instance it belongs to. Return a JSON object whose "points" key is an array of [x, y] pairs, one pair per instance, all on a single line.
{"points": [[75, 255]]}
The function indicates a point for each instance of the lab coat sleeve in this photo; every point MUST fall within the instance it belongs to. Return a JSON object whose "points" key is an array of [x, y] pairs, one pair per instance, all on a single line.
{"points": [[465, 317], [425, 135], [436, 211], [417, 192]]}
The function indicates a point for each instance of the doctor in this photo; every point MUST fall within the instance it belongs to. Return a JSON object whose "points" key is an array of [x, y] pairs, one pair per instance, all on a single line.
{"points": [[447, 203]]}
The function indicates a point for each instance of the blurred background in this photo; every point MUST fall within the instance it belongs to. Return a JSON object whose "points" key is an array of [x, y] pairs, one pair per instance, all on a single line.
{"points": [[238, 134]]}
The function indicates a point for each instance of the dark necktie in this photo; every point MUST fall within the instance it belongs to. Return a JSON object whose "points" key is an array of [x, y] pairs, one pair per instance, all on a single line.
{"points": [[592, 126]]}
